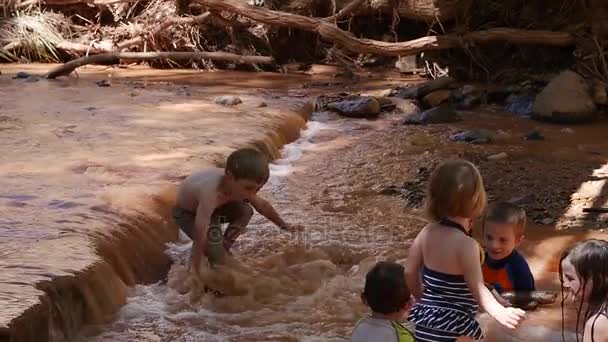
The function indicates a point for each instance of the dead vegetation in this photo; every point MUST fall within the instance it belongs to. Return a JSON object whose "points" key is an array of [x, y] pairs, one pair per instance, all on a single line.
{"points": [[487, 39]]}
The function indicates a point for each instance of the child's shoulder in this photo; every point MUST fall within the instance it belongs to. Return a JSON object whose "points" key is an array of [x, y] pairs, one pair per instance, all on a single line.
{"points": [[518, 258], [596, 328], [374, 329]]}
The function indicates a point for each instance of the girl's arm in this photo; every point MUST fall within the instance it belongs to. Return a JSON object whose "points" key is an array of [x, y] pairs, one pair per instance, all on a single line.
{"points": [[413, 267], [471, 267], [596, 329]]}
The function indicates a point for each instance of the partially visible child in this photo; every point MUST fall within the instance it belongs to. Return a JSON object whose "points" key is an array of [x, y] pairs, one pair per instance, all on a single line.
{"points": [[444, 268], [583, 272], [388, 297], [504, 268]]}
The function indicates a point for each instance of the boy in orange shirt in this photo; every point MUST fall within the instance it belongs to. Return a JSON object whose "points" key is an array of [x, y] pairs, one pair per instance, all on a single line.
{"points": [[504, 268]]}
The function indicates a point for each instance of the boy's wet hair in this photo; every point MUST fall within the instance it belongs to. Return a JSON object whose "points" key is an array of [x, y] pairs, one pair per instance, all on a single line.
{"points": [[455, 189], [507, 213], [590, 261], [248, 163], [385, 289]]}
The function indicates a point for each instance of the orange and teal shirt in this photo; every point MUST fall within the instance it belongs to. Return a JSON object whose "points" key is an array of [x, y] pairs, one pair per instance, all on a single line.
{"points": [[509, 274]]}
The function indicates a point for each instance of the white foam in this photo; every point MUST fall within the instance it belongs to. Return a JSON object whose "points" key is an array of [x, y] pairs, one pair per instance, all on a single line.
{"points": [[293, 152]]}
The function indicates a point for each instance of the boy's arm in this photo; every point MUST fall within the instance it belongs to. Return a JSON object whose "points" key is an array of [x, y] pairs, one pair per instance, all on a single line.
{"points": [[201, 226], [471, 268], [413, 266], [264, 207]]}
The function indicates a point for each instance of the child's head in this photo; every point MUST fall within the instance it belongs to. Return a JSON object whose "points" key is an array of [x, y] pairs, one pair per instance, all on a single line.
{"points": [[246, 172], [455, 190], [503, 229], [583, 271], [386, 291]]}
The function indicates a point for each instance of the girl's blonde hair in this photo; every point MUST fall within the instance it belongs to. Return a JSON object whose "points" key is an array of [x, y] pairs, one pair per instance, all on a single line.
{"points": [[455, 189]]}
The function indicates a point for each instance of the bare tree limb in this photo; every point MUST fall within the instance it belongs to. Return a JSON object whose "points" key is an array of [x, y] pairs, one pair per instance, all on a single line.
{"points": [[347, 10], [330, 32], [67, 68]]}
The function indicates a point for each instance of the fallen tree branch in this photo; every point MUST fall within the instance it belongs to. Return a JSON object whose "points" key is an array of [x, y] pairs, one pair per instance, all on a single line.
{"points": [[67, 68], [332, 33], [199, 19]]}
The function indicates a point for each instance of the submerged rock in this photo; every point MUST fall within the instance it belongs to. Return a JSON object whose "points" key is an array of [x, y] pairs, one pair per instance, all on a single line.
{"points": [[22, 75], [228, 100], [441, 114], [477, 136]]}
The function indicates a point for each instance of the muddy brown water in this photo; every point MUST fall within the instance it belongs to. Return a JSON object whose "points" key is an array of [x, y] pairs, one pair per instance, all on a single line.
{"points": [[73, 177]]}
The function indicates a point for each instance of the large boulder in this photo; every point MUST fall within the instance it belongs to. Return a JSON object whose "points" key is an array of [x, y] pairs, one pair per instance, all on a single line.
{"points": [[566, 99]]}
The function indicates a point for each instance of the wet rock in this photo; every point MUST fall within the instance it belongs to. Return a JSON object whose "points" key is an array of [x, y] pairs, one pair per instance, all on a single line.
{"points": [[436, 98], [478, 136], [499, 94], [498, 156], [362, 107], [103, 83], [386, 104], [520, 104], [419, 91], [566, 99], [228, 100], [22, 75], [406, 106], [322, 101], [534, 135], [441, 114], [547, 221], [470, 102], [412, 191]]}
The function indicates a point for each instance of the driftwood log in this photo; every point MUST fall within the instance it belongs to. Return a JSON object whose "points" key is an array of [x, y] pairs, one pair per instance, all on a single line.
{"points": [[330, 32], [67, 68]]}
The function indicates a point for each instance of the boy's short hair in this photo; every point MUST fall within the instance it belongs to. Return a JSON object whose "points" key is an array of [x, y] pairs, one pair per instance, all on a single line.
{"points": [[385, 289], [248, 163], [507, 213], [455, 189]]}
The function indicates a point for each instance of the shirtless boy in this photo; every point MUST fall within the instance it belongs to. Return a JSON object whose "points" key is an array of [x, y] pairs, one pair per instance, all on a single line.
{"points": [[213, 196]]}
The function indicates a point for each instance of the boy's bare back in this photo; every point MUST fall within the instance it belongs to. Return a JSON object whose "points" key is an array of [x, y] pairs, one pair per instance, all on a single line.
{"points": [[201, 186]]}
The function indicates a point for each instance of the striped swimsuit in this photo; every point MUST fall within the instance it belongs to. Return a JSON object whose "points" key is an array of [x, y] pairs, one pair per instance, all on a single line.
{"points": [[447, 307]]}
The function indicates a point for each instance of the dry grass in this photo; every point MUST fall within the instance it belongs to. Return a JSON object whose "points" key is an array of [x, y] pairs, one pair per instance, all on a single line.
{"points": [[33, 36]]}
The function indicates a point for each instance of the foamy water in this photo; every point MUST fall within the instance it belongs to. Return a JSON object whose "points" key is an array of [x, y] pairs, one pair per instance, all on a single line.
{"points": [[292, 152], [286, 295]]}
